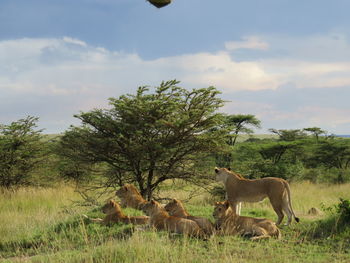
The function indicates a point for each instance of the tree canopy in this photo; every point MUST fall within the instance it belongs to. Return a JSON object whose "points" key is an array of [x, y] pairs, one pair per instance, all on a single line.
{"points": [[148, 138], [20, 152]]}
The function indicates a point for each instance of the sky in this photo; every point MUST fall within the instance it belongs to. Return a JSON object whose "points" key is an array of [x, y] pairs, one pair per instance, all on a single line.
{"points": [[285, 61]]}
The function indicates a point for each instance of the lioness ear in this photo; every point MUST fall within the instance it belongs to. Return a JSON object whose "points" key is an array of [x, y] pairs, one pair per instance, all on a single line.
{"points": [[229, 168], [216, 170], [152, 202], [227, 204]]}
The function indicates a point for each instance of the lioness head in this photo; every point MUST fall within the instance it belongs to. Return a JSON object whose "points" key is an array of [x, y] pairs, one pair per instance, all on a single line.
{"points": [[221, 174], [152, 207], [111, 207], [126, 190], [175, 207], [221, 209]]}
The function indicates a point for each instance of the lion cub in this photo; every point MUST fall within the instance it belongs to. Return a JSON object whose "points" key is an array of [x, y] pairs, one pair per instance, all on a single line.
{"points": [[114, 214], [130, 197], [176, 208], [161, 220], [228, 223]]}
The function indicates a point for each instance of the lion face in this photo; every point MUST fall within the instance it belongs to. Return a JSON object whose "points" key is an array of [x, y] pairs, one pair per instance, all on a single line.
{"points": [[221, 174], [127, 190], [220, 209], [172, 206], [122, 192], [151, 207], [111, 207]]}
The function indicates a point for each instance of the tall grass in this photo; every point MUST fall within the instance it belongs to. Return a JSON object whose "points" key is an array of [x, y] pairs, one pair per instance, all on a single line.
{"points": [[42, 225], [30, 209]]}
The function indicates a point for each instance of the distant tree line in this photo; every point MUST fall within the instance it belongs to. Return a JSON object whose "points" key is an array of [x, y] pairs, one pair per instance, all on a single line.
{"points": [[169, 133]]}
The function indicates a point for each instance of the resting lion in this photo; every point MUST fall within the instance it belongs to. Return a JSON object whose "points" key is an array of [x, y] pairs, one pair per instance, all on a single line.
{"points": [[239, 189], [130, 196], [228, 223], [176, 208], [161, 220], [114, 214]]}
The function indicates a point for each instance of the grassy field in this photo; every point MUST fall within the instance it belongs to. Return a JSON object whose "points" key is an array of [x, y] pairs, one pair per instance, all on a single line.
{"points": [[45, 225]]}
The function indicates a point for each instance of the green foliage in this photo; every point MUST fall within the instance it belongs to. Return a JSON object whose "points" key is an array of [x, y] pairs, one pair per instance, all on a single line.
{"points": [[336, 227], [295, 155], [235, 125], [218, 192], [289, 135], [343, 210], [21, 152], [149, 138]]}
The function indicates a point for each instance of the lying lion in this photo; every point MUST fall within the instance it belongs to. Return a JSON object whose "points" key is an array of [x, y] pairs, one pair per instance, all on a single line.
{"points": [[161, 220], [228, 223], [176, 208], [114, 214], [239, 189], [130, 196]]}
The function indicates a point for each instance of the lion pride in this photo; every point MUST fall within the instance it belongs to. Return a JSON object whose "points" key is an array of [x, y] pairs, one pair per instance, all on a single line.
{"points": [[228, 223], [239, 189], [161, 220]]}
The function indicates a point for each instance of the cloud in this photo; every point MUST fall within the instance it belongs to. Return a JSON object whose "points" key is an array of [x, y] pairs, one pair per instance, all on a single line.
{"points": [[74, 41], [54, 78], [249, 42]]}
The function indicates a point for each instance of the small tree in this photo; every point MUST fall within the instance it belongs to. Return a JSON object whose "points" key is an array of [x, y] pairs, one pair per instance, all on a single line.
{"points": [[149, 138], [240, 123], [289, 135], [316, 131], [20, 152], [334, 154], [235, 125]]}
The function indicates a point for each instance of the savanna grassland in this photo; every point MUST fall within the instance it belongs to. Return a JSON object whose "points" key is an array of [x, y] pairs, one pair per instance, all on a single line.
{"points": [[46, 225]]}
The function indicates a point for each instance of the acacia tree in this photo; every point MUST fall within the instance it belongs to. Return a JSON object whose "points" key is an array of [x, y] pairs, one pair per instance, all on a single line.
{"points": [[289, 135], [20, 152], [316, 131], [149, 138], [240, 123], [334, 154], [235, 125]]}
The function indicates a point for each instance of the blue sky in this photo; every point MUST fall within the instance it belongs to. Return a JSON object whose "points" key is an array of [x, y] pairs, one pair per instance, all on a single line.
{"points": [[287, 62]]}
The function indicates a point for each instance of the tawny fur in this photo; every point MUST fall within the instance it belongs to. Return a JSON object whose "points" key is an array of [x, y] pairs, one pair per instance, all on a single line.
{"points": [[228, 223], [239, 189], [114, 214], [161, 220], [176, 208], [130, 196]]}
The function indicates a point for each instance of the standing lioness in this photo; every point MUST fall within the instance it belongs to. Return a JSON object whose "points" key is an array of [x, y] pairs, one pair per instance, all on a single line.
{"points": [[239, 189]]}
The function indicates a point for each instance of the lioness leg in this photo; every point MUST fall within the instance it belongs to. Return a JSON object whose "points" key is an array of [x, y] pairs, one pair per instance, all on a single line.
{"points": [[288, 211], [236, 207], [278, 209], [95, 220], [259, 233]]}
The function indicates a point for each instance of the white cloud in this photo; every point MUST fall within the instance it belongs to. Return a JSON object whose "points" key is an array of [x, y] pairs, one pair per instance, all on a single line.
{"points": [[74, 41], [77, 76], [249, 42]]}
